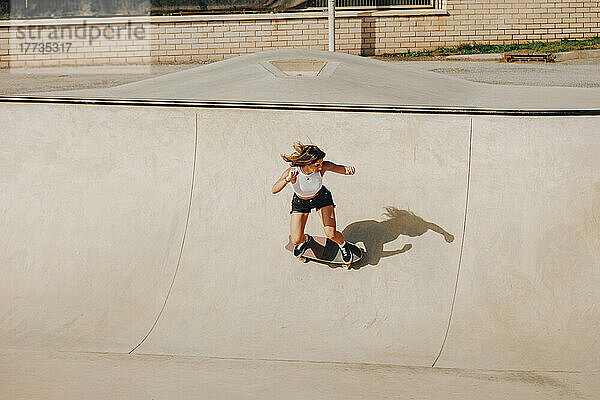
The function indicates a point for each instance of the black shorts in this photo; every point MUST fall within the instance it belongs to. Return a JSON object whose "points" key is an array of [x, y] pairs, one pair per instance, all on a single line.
{"points": [[322, 199]]}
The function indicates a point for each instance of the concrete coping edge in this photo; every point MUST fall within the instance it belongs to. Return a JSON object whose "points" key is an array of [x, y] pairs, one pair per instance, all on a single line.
{"points": [[258, 105]]}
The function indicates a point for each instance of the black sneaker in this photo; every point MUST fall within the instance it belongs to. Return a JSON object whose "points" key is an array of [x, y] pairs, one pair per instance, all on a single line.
{"points": [[299, 248], [346, 253]]}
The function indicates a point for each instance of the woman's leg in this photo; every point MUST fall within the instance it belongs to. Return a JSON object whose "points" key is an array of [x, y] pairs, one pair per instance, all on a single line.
{"points": [[328, 217], [297, 225]]}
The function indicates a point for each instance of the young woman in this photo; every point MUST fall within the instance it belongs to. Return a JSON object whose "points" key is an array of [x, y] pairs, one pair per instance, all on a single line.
{"points": [[306, 176]]}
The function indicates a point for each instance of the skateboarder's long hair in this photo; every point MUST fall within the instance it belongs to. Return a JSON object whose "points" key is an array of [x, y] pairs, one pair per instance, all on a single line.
{"points": [[304, 154], [394, 213]]}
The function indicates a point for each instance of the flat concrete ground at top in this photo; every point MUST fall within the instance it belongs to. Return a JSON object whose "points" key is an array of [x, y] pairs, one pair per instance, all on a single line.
{"points": [[574, 73]]}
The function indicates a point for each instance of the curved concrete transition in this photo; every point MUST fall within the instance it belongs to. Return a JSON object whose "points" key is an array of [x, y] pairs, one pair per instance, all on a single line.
{"points": [[152, 230]]}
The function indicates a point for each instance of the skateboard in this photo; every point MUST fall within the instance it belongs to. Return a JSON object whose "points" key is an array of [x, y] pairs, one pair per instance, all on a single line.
{"points": [[325, 251]]}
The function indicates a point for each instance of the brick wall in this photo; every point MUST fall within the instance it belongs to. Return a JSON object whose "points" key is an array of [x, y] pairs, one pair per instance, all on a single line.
{"points": [[193, 38]]}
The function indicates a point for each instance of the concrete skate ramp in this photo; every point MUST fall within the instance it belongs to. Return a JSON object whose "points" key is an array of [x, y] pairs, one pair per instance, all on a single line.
{"points": [[153, 230], [94, 201]]}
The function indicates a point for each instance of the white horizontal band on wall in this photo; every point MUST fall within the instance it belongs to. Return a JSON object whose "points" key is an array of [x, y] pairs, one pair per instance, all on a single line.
{"points": [[222, 17]]}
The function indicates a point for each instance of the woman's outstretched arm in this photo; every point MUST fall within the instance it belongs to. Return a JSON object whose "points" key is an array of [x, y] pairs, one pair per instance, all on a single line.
{"points": [[338, 169], [289, 175]]}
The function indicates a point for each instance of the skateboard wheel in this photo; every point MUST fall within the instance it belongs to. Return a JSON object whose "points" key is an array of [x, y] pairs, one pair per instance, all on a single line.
{"points": [[304, 260]]}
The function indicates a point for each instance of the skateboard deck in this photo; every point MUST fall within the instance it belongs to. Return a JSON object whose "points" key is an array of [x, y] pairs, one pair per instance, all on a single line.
{"points": [[326, 251]]}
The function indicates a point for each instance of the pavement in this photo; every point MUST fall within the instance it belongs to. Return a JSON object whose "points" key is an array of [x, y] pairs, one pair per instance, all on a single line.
{"points": [[144, 252], [37, 375], [572, 72], [341, 79], [584, 73]]}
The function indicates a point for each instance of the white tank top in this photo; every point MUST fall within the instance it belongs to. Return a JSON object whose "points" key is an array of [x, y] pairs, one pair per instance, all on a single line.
{"points": [[307, 185]]}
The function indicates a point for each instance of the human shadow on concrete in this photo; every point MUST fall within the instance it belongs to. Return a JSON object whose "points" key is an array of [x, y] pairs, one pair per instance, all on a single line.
{"points": [[374, 234]]}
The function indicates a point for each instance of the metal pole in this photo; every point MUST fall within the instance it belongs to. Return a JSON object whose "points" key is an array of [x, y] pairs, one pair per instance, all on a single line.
{"points": [[331, 20]]}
